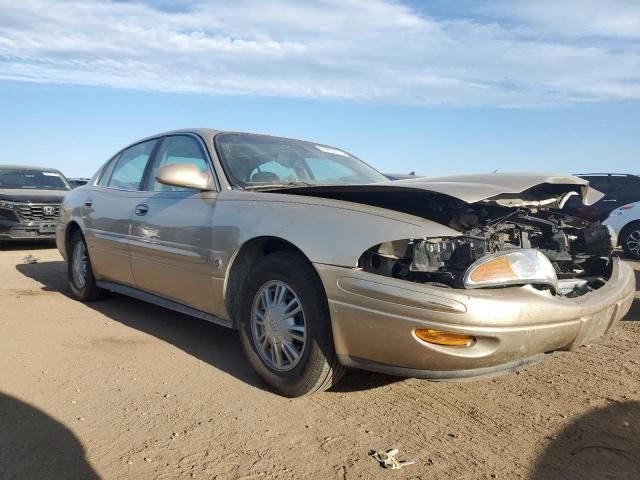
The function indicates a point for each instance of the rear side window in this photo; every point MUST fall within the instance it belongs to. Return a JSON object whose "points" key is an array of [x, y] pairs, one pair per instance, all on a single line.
{"points": [[129, 170], [179, 149], [627, 184]]}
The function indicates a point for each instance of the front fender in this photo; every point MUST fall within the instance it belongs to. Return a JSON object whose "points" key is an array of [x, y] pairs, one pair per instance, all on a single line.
{"points": [[327, 231]]}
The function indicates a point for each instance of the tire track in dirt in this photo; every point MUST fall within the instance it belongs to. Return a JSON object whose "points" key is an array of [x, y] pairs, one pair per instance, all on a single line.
{"points": [[506, 422], [147, 387], [433, 413]]}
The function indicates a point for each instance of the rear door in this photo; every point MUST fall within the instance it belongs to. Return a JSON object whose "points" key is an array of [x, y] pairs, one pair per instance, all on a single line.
{"points": [[171, 231], [107, 211]]}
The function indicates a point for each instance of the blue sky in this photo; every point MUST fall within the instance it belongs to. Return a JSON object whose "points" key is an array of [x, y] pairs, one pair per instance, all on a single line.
{"points": [[438, 87]]}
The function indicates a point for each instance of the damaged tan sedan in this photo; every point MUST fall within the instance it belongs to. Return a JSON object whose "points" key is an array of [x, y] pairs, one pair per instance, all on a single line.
{"points": [[321, 263]]}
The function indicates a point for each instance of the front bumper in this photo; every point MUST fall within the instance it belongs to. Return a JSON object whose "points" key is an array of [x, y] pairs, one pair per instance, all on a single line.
{"points": [[374, 319], [24, 231]]}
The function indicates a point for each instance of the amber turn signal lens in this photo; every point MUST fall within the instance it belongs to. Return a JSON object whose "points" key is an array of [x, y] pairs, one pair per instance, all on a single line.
{"points": [[440, 337], [497, 268]]}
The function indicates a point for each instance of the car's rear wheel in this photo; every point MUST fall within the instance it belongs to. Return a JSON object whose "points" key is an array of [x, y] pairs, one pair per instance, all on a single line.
{"points": [[79, 271], [286, 327], [630, 240]]}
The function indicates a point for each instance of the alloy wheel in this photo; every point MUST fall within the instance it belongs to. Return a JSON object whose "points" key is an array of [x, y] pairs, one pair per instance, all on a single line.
{"points": [[633, 242], [278, 326], [80, 265]]}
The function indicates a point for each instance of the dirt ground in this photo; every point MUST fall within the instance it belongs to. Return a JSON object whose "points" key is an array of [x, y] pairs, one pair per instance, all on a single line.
{"points": [[122, 389]]}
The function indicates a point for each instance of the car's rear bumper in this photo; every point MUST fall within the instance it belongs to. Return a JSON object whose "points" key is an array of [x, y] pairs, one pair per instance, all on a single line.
{"points": [[374, 319]]}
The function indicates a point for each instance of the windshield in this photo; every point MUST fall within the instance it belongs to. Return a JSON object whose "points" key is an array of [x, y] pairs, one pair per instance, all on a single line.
{"points": [[257, 161], [23, 179]]}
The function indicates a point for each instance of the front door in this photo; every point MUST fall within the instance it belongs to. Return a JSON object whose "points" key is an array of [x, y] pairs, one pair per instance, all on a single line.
{"points": [[171, 231]]}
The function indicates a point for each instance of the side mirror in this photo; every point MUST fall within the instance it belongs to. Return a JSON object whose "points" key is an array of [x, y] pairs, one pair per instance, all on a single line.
{"points": [[184, 175]]}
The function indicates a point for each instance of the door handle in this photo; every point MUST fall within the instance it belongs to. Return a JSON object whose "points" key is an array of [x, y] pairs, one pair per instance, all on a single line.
{"points": [[142, 209], [88, 202], [611, 200]]}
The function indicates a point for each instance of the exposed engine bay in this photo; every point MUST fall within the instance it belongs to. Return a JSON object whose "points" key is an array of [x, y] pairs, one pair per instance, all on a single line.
{"points": [[496, 215], [580, 252]]}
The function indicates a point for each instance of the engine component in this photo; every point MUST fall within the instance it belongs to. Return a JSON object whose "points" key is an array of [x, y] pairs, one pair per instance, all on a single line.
{"points": [[578, 252]]}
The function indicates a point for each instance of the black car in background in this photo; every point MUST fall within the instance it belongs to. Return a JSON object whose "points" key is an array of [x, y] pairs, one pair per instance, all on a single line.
{"points": [[30, 200], [618, 188]]}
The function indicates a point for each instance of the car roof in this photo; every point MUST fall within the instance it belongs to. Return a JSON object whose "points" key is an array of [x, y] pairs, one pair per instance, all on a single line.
{"points": [[210, 132], [29, 167], [203, 132]]}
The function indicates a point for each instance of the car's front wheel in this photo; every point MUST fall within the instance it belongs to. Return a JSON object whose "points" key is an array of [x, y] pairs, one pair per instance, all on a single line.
{"points": [[630, 240], [80, 274], [286, 327]]}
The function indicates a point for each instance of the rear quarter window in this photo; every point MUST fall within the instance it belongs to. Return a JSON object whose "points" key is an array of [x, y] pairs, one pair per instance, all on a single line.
{"points": [[106, 172]]}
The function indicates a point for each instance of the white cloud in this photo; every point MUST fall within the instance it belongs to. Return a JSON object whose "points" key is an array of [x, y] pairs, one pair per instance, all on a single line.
{"points": [[618, 19], [520, 54]]}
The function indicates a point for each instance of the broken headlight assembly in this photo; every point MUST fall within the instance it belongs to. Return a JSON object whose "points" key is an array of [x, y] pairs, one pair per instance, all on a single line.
{"points": [[518, 267], [545, 249]]}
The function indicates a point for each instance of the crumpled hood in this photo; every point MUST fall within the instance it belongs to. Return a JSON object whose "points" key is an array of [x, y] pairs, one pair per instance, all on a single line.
{"points": [[505, 188], [32, 195]]}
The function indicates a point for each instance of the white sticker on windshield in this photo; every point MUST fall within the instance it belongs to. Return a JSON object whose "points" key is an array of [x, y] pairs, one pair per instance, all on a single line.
{"points": [[51, 174], [334, 151]]}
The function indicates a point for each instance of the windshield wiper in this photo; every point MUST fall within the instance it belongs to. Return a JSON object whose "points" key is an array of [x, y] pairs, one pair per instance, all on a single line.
{"points": [[280, 185]]}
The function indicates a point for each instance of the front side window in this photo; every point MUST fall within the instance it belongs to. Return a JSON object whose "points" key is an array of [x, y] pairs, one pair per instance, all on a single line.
{"points": [[180, 149], [129, 170], [258, 161], [16, 179]]}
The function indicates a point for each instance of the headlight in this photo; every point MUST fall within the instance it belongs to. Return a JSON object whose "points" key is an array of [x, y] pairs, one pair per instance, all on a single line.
{"points": [[517, 267], [9, 205]]}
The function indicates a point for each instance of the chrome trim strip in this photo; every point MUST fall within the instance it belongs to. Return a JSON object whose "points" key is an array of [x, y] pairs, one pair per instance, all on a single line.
{"points": [[165, 249], [163, 302], [402, 296], [445, 375]]}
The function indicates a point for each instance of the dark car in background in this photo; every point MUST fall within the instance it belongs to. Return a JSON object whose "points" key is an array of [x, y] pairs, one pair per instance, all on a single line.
{"points": [[618, 188], [401, 176], [30, 200]]}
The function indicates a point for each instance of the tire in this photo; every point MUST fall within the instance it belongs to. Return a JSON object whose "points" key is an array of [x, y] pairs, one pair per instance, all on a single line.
{"points": [[630, 240], [86, 291], [287, 277]]}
